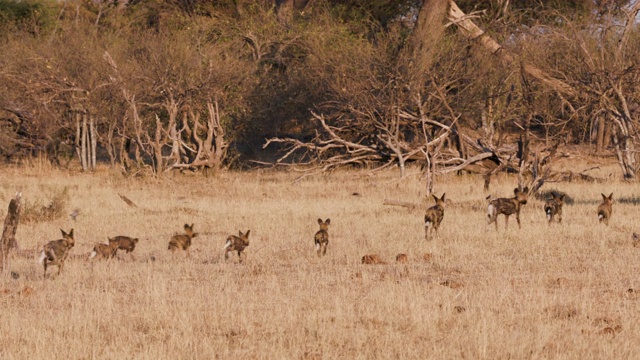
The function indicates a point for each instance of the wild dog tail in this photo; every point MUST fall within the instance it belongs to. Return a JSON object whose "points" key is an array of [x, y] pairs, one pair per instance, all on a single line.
{"points": [[93, 254], [600, 215], [547, 209], [42, 257], [491, 212], [227, 245]]}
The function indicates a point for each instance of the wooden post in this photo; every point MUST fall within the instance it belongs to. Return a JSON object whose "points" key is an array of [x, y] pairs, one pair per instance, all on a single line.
{"points": [[9, 233]]}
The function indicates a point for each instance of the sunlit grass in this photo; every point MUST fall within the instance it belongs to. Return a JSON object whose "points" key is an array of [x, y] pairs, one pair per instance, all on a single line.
{"points": [[540, 292]]}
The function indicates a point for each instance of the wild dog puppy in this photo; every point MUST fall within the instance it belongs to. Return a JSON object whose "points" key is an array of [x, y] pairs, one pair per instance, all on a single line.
{"points": [[126, 243], [183, 242], [104, 251], [553, 207], [321, 238], [236, 243], [434, 216], [56, 252], [605, 209], [508, 207]]}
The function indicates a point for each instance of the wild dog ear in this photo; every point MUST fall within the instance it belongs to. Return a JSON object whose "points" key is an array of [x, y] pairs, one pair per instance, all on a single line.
{"points": [[435, 198], [442, 198], [525, 190], [562, 197], [516, 191], [247, 234], [240, 233], [611, 196], [70, 233], [65, 234], [604, 197], [191, 226], [328, 221], [319, 221]]}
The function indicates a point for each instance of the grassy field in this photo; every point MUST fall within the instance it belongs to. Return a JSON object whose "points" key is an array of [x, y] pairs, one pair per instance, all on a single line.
{"points": [[566, 291]]}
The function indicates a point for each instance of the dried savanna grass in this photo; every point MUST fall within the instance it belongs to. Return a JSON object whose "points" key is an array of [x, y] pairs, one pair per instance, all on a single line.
{"points": [[470, 292]]}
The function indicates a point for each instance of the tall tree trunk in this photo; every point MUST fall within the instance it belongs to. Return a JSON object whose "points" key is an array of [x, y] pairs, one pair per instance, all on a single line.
{"points": [[83, 143], [426, 34], [600, 135], [94, 142]]}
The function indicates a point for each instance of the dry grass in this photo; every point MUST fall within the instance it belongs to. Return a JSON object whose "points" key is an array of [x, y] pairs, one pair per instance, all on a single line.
{"points": [[563, 291]]}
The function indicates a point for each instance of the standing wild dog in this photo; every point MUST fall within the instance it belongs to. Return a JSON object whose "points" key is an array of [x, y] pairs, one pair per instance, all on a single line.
{"points": [[104, 251], [605, 209], [434, 216], [55, 252], [183, 242], [126, 243], [236, 243], [321, 238], [553, 207], [508, 207]]}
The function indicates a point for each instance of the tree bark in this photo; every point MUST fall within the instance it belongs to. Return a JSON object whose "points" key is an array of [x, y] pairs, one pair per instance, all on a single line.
{"points": [[428, 30]]}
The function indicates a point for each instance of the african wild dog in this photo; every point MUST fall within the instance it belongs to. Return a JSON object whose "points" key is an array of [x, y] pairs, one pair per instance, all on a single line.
{"points": [[183, 241], [56, 252], [321, 238], [553, 207], [507, 206], [236, 243], [605, 209], [434, 216]]}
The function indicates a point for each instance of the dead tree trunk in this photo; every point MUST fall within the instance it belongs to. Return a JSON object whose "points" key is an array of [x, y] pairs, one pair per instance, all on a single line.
{"points": [[8, 241], [86, 142]]}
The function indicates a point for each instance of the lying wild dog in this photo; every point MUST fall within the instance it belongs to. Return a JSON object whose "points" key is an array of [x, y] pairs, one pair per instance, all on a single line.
{"points": [[372, 259], [104, 251], [126, 243], [402, 258], [56, 252], [553, 207], [321, 238], [236, 243], [434, 216], [183, 242], [605, 209], [507, 206]]}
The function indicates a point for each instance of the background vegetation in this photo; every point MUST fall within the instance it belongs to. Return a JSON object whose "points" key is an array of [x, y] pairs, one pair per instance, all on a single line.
{"points": [[161, 85]]}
